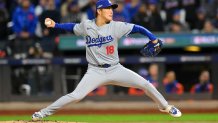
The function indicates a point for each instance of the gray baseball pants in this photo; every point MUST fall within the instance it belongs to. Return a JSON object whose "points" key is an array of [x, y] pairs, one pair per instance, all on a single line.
{"points": [[115, 75]]}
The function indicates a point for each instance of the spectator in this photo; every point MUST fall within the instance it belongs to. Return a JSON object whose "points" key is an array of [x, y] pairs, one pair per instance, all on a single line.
{"points": [[210, 6], [155, 20], [73, 14], [38, 11], [141, 17], [4, 18], [149, 18], [132, 7], [40, 7], [169, 6], [177, 18], [175, 27], [35, 51], [172, 86], [121, 13], [208, 27], [64, 7], [201, 18], [204, 85], [49, 35], [24, 26], [24, 20], [90, 9], [153, 75], [190, 7]]}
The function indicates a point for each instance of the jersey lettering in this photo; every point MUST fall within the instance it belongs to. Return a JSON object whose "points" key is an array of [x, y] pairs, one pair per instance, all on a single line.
{"points": [[102, 42], [99, 41]]}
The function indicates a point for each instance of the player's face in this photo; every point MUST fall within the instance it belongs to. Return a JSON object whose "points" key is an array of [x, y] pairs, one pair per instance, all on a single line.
{"points": [[107, 13]]}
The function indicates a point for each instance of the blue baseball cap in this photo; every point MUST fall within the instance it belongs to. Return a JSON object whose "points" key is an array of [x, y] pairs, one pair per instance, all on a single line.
{"points": [[104, 4]]}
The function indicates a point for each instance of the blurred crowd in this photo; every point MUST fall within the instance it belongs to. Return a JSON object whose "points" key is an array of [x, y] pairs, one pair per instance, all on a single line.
{"points": [[23, 33], [171, 84]]}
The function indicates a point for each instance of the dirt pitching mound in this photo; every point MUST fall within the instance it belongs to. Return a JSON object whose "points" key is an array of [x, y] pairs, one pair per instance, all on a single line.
{"points": [[36, 122]]}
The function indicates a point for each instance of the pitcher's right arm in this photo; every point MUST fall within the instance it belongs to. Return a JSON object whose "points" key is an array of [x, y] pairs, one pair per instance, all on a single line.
{"points": [[77, 28]]}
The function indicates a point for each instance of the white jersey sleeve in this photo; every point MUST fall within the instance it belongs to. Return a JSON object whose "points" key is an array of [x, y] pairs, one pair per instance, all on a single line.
{"points": [[79, 29], [122, 29]]}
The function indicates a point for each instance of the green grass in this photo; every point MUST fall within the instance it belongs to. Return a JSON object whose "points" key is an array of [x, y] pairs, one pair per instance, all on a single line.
{"points": [[121, 118]]}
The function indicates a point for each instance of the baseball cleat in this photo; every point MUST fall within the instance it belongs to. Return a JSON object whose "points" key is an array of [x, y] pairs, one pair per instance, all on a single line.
{"points": [[37, 116], [173, 111]]}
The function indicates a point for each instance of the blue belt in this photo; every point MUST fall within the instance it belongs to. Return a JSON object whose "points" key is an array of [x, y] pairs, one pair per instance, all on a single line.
{"points": [[104, 65]]}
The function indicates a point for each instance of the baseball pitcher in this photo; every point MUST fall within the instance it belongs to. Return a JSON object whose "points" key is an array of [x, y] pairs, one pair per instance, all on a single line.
{"points": [[102, 35]]}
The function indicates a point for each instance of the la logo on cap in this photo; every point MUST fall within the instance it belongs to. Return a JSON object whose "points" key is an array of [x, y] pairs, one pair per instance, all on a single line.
{"points": [[100, 6]]}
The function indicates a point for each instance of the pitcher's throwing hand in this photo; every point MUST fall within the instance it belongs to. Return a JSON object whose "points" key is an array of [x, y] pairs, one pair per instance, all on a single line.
{"points": [[49, 23]]}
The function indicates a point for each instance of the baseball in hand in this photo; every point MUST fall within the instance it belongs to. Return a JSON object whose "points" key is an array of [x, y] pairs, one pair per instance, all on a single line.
{"points": [[48, 22]]}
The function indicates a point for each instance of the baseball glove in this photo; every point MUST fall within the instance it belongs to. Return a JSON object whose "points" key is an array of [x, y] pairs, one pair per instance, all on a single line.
{"points": [[152, 49]]}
